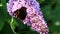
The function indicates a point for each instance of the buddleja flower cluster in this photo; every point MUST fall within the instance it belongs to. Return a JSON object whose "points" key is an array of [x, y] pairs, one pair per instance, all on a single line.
{"points": [[34, 17]]}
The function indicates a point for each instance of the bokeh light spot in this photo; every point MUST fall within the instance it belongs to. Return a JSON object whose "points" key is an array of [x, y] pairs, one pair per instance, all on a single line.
{"points": [[1, 5], [57, 23]]}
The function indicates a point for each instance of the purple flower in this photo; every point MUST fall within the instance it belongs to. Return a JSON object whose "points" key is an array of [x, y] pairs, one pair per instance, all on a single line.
{"points": [[33, 18]]}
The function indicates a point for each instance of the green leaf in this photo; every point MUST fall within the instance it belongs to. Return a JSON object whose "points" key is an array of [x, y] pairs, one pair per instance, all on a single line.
{"points": [[6, 29], [2, 19], [2, 13], [1, 24]]}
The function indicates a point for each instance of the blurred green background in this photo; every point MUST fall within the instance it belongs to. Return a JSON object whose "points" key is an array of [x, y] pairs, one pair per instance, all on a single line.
{"points": [[51, 12]]}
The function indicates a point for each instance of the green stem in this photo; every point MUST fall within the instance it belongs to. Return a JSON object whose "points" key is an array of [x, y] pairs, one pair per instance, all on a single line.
{"points": [[12, 26]]}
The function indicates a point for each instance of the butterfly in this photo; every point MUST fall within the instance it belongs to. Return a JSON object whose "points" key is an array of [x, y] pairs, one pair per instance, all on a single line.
{"points": [[20, 13]]}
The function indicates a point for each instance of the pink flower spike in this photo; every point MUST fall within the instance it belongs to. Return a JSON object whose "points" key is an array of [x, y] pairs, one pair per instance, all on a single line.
{"points": [[30, 11]]}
